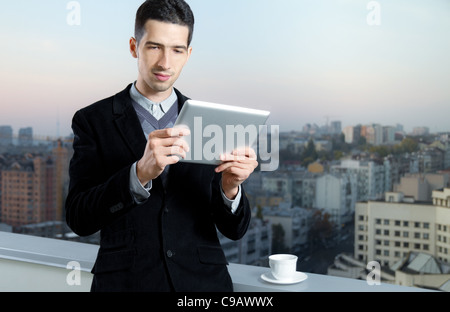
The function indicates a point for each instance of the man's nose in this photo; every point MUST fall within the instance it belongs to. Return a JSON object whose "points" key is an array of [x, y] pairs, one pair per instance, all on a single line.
{"points": [[164, 61]]}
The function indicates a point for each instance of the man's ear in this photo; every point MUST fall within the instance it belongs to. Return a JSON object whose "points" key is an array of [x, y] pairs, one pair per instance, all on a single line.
{"points": [[134, 48]]}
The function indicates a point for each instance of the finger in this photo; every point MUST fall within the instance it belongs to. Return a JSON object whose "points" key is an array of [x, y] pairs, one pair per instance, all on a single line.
{"points": [[174, 151], [170, 133], [179, 131], [227, 165], [182, 130], [182, 143], [172, 160], [245, 151], [240, 154], [175, 141]]}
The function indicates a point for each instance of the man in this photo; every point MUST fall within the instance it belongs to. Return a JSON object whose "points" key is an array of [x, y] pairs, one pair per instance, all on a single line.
{"points": [[157, 216]]}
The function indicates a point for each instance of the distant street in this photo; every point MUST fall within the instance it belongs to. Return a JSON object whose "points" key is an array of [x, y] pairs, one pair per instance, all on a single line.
{"points": [[322, 257]]}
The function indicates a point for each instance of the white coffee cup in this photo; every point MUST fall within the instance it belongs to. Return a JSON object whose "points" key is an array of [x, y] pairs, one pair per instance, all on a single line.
{"points": [[283, 266]]}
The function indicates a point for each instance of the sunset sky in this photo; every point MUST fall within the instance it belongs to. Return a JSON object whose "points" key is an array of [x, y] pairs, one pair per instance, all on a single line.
{"points": [[307, 61]]}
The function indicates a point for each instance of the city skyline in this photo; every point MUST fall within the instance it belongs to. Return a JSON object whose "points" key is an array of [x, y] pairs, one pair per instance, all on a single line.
{"points": [[305, 61]]}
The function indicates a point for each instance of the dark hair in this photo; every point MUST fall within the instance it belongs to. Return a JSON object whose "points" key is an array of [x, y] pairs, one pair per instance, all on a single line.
{"points": [[170, 11]]}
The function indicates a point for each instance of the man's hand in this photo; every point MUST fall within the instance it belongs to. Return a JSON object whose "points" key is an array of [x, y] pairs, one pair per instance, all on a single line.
{"points": [[164, 147], [236, 168]]}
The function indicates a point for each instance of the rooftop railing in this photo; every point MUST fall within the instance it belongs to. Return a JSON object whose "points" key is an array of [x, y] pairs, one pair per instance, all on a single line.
{"points": [[35, 264]]}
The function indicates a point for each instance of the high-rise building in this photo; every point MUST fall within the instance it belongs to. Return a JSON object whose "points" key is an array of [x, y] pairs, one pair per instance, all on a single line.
{"points": [[6, 135], [26, 136]]}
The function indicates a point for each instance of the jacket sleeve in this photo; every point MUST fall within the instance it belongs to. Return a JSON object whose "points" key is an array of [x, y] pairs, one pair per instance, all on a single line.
{"points": [[232, 225], [95, 197]]}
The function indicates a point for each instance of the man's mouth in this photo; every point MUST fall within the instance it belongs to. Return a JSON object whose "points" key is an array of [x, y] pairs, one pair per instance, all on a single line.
{"points": [[162, 77]]}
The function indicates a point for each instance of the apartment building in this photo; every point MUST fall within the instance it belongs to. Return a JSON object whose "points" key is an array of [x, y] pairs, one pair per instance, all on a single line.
{"points": [[336, 195], [386, 231], [254, 248], [28, 189], [294, 222], [420, 186], [33, 187], [369, 176]]}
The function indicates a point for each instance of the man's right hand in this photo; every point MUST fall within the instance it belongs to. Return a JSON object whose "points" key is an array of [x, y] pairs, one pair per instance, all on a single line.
{"points": [[164, 147]]}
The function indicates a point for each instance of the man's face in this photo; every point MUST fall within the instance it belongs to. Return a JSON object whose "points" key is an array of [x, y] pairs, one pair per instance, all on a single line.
{"points": [[162, 54]]}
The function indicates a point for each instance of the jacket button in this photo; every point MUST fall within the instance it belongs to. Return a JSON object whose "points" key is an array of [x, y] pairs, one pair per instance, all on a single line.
{"points": [[116, 208], [170, 253]]}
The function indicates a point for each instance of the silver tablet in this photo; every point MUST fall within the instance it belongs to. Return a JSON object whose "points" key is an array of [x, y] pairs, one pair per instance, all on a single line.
{"points": [[217, 129]]}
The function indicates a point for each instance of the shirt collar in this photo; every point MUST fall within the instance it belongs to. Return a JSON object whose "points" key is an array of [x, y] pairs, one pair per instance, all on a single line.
{"points": [[147, 104]]}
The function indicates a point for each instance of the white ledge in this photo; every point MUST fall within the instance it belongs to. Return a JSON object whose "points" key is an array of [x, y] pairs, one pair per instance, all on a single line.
{"points": [[29, 263]]}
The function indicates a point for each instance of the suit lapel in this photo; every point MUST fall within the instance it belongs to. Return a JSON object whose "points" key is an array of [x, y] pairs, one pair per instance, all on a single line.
{"points": [[129, 127], [128, 123]]}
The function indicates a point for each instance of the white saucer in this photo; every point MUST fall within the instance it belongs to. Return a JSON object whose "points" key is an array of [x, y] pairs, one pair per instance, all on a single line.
{"points": [[297, 278]]}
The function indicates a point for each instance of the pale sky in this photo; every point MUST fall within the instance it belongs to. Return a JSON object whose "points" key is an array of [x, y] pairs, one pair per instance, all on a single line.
{"points": [[304, 60]]}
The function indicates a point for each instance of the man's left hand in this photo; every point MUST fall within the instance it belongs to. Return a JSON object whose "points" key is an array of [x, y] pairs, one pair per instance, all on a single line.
{"points": [[235, 169]]}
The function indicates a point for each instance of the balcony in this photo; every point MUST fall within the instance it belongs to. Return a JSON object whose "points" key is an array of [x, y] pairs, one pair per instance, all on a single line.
{"points": [[35, 264]]}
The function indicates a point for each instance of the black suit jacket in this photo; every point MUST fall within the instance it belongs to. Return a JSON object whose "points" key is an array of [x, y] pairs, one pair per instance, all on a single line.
{"points": [[168, 243]]}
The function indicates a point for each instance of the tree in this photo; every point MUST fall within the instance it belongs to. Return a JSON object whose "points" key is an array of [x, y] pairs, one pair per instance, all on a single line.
{"points": [[409, 145], [259, 213], [278, 234], [321, 228], [309, 154]]}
